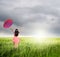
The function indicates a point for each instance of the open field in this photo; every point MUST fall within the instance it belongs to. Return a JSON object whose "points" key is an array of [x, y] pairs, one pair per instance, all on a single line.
{"points": [[30, 47]]}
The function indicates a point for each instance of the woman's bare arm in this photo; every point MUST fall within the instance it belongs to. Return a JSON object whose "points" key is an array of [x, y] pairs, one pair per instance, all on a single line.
{"points": [[21, 29]]}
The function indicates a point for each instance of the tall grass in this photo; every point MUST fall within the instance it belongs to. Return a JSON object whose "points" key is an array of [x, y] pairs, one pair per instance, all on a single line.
{"points": [[28, 49]]}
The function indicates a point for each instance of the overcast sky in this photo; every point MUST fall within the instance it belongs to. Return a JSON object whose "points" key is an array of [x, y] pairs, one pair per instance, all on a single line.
{"points": [[33, 15]]}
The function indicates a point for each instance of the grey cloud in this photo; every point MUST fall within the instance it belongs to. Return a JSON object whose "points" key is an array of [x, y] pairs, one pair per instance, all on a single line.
{"points": [[31, 13]]}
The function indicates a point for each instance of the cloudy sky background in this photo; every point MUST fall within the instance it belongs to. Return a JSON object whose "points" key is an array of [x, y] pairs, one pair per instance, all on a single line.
{"points": [[36, 16]]}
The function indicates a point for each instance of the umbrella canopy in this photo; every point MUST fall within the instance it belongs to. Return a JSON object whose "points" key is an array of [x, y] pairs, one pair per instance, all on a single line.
{"points": [[8, 23]]}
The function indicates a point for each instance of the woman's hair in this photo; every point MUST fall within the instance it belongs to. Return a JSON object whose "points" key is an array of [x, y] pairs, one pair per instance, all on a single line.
{"points": [[16, 33]]}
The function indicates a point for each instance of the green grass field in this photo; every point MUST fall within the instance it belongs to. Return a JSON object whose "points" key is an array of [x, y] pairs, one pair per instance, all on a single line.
{"points": [[30, 47]]}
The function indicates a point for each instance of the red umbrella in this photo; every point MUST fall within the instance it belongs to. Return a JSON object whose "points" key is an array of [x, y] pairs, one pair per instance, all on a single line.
{"points": [[8, 23]]}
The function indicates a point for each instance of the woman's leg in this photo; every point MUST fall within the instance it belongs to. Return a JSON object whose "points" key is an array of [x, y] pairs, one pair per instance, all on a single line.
{"points": [[16, 45]]}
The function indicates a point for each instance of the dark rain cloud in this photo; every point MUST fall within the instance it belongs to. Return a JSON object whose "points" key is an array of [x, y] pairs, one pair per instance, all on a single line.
{"points": [[29, 13]]}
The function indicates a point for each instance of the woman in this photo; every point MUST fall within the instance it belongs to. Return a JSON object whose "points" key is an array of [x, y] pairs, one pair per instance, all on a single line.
{"points": [[16, 38]]}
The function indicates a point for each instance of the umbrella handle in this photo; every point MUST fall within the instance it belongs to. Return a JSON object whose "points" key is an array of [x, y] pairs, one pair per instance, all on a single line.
{"points": [[12, 29]]}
